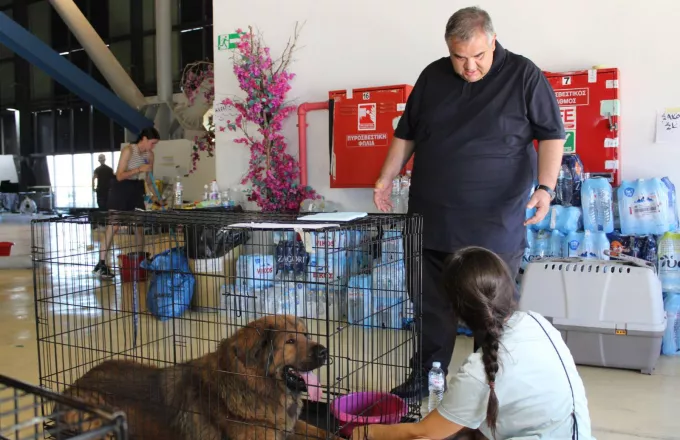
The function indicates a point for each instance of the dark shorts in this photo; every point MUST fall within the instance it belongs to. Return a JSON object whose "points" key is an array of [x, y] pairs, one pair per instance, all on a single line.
{"points": [[127, 195], [103, 200]]}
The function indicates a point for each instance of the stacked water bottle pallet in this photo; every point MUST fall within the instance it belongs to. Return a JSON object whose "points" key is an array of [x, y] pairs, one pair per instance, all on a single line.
{"points": [[355, 274], [592, 220]]}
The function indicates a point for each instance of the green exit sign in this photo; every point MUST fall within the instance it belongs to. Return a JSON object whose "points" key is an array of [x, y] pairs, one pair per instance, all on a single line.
{"points": [[228, 41], [570, 142]]}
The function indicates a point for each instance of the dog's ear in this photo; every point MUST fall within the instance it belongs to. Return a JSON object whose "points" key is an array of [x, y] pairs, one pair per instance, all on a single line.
{"points": [[252, 343], [266, 335], [300, 324]]}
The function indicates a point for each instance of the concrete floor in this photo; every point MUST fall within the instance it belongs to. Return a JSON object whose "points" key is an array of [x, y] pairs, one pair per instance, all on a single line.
{"points": [[623, 404]]}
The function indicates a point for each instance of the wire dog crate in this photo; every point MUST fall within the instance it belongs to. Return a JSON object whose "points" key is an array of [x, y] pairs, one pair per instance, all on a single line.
{"points": [[215, 321], [28, 412]]}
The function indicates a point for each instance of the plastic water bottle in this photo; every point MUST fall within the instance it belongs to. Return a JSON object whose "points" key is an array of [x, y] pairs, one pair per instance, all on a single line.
{"points": [[597, 205], [573, 245], [670, 345], [214, 191], [602, 244], [565, 186], [556, 244], [436, 385], [669, 266], [359, 300], [404, 190], [672, 204], [643, 207], [397, 205], [178, 201]]}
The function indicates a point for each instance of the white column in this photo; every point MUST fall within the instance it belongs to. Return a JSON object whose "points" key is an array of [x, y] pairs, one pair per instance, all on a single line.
{"points": [[101, 56], [164, 65]]}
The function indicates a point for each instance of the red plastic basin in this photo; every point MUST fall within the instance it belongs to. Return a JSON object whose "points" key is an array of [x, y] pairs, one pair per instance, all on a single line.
{"points": [[130, 269], [6, 248]]}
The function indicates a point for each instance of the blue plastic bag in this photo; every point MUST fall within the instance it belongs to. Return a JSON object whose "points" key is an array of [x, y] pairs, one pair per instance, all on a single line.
{"points": [[172, 284]]}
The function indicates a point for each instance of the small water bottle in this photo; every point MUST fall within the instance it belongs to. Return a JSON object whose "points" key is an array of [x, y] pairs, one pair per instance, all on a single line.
{"points": [[565, 186], [214, 191], [436, 384], [404, 190], [178, 195], [397, 207], [206, 194]]}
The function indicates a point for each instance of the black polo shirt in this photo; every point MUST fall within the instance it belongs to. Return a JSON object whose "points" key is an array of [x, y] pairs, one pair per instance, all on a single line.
{"points": [[474, 160]]}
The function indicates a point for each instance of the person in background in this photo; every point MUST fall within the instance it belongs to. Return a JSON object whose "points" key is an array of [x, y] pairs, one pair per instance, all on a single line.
{"points": [[524, 382], [103, 174], [127, 191], [470, 123]]}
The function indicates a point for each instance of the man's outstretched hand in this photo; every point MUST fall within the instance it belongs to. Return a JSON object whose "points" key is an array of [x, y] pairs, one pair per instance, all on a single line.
{"points": [[381, 196], [541, 201]]}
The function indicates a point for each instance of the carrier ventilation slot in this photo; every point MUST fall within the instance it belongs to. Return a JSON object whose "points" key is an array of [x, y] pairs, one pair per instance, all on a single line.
{"points": [[584, 267]]}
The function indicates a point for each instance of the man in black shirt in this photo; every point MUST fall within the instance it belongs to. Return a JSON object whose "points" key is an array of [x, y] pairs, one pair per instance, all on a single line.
{"points": [[470, 123], [104, 174]]}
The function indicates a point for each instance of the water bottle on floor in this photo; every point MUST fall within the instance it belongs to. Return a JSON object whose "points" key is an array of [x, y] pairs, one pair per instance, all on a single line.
{"points": [[436, 385]]}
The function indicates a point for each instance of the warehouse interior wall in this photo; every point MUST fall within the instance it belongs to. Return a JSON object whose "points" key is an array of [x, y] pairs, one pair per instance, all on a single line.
{"points": [[358, 43]]}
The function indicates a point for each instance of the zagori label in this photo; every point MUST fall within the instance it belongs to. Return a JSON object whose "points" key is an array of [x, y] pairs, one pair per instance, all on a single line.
{"points": [[572, 96]]}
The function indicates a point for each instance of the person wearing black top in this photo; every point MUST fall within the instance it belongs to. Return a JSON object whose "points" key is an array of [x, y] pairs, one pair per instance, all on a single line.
{"points": [[469, 124], [103, 174]]}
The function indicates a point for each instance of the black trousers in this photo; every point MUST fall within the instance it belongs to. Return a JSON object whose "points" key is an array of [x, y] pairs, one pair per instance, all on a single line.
{"points": [[438, 326]]}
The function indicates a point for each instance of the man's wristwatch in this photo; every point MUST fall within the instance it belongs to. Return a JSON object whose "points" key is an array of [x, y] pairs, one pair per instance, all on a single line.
{"points": [[547, 189]]}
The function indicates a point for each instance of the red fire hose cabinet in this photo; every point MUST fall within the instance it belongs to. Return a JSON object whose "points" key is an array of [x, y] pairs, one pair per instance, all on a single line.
{"points": [[362, 123]]}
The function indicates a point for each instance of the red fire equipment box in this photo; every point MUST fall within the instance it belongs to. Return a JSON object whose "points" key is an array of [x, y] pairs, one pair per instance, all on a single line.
{"points": [[362, 123], [589, 102]]}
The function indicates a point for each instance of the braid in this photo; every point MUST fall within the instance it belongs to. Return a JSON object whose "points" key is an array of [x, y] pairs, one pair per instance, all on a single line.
{"points": [[490, 347], [481, 290]]}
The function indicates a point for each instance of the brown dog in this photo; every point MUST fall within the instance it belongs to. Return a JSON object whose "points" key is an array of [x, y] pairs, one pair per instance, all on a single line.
{"points": [[249, 388]]}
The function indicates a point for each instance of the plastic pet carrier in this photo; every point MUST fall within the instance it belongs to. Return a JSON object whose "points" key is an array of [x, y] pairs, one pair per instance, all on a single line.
{"points": [[610, 313]]}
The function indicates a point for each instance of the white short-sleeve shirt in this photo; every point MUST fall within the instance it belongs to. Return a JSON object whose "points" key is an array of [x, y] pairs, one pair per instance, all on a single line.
{"points": [[533, 392]]}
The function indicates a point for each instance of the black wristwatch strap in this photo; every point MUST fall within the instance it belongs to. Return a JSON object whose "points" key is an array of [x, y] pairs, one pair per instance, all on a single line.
{"points": [[547, 189]]}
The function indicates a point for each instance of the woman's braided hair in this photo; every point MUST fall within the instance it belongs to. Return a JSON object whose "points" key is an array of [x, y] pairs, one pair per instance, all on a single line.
{"points": [[482, 293]]}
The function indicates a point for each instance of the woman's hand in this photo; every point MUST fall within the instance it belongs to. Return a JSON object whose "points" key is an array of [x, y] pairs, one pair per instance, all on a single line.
{"points": [[145, 168]]}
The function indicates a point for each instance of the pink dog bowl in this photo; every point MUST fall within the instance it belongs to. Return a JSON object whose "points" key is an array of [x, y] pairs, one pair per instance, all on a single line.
{"points": [[368, 408]]}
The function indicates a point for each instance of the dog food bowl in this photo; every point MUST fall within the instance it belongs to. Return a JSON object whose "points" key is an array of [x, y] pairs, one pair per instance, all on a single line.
{"points": [[368, 408]]}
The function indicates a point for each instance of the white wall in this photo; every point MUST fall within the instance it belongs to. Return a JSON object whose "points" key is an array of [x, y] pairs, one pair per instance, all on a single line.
{"points": [[360, 43], [173, 158]]}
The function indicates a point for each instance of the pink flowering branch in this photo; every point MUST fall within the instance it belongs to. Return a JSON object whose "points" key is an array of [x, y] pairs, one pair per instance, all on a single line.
{"points": [[199, 78], [273, 173]]}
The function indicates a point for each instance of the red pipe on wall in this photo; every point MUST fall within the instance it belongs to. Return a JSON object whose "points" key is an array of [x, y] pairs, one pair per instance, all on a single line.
{"points": [[302, 134]]}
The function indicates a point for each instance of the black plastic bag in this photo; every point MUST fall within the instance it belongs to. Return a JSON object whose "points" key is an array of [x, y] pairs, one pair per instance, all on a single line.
{"points": [[204, 242]]}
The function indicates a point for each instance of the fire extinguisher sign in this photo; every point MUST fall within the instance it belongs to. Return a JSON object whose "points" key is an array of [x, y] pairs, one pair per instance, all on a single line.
{"points": [[367, 116], [569, 121]]}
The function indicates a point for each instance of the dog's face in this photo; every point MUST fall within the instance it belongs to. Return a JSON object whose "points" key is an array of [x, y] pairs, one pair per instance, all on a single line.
{"points": [[278, 347]]}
